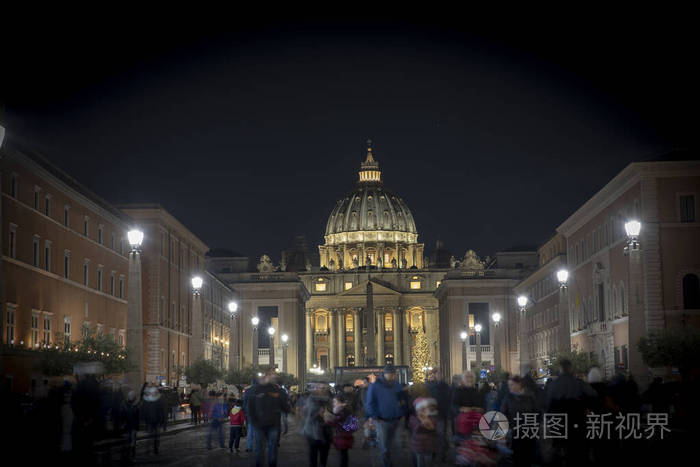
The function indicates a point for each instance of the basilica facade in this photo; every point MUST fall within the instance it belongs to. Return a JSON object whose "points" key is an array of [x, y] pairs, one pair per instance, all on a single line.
{"points": [[371, 292]]}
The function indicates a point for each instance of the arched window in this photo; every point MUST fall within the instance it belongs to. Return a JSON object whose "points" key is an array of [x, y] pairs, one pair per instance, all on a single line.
{"points": [[691, 292], [321, 323], [349, 323]]}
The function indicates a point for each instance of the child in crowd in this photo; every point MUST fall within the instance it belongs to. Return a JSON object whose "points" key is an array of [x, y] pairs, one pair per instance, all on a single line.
{"points": [[424, 436], [237, 419]]}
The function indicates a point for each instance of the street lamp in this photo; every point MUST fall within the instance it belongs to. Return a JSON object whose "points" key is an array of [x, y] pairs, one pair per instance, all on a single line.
{"points": [[522, 302], [232, 307], [255, 321], [632, 228], [284, 338], [563, 278], [496, 317], [463, 335], [135, 237], [477, 329], [197, 282], [271, 332], [134, 314]]}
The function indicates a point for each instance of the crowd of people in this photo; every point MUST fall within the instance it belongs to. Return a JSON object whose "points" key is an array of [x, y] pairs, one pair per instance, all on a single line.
{"points": [[440, 423]]}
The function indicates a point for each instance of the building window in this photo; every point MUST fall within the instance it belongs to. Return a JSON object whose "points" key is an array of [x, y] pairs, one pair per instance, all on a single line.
{"points": [[691, 292], [601, 302], [66, 216], [35, 252], [37, 197], [99, 278], [86, 329], [687, 210], [86, 271], [121, 338], [86, 226], [111, 284], [47, 255], [320, 287], [623, 300], [47, 330], [14, 186], [625, 356], [35, 330], [66, 264], [388, 322], [112, 241], [389, 358], [121, 246], [66, 330], [121, 287], [348, 285], [10, 325], [47, 205], [100, 231], [415, 285], [349, 323], [100, 329], [12, 241]]}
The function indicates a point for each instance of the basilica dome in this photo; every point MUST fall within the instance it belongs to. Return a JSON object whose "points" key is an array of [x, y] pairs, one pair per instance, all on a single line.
{"points": [[371, 224]]}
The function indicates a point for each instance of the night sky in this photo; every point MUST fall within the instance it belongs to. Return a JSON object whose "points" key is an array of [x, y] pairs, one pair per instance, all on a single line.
{"points": [[493, 131]]}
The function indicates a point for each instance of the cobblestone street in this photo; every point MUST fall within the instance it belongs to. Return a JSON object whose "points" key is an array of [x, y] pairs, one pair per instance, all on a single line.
{"points": [[188, 448]]}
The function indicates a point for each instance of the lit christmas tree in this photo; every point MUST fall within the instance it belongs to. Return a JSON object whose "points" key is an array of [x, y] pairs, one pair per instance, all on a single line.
{"points": [[421, 357]]}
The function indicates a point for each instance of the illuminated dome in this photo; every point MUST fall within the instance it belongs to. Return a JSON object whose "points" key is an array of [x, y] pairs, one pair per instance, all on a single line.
{"points": [[373, 223]]}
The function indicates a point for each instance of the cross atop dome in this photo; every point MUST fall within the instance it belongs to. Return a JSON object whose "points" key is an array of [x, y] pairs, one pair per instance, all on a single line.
{"points": [[369, 169]]}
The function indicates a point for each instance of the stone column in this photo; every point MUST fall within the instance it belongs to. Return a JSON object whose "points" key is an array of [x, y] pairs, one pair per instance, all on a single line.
{"points": [[134, 322], [309, 343], [333, 344], [398, 337], [254, 350], [341, 338], [637, 325], [357, 336], [406, 337], [380, 337]]}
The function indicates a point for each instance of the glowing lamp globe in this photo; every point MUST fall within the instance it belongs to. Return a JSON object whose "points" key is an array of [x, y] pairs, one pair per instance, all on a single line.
{"points": [[522, 301], [633, 228], [135, 237]]}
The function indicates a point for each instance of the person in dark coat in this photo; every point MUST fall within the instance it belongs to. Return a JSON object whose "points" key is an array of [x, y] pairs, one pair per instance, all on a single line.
{"points": [[131, 422], [518, 402], [386, 406], [265, 406], [317, 428], [440, 391], [153, 410]]}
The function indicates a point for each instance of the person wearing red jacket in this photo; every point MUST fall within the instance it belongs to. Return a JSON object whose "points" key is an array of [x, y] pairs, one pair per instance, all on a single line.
{"points": [[237, 420]]}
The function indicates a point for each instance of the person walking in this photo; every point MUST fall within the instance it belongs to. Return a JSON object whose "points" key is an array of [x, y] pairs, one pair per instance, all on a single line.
{"points": [[195, 405], [518, 402], [345, 424], [385, 407], [266, 404], [153, 414], [131, 423], [424, 431], [250, 435], [236, 420], [440, 391], [217, 415], [316, 428]]}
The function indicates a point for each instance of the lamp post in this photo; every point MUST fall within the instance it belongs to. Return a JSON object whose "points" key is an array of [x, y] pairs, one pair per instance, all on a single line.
{"points": [[477, 329], [563, 278], [496, 317], [197, 342], [255, 321], [285, 339], [639, 320], [463, 335], [271, 332], [232, 309], [134, 317], [522, 303]]}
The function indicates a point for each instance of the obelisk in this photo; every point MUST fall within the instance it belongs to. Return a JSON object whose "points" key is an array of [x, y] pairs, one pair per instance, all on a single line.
{"points": [[371, 356]]}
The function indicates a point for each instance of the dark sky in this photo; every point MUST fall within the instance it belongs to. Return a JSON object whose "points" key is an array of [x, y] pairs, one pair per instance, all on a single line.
{"points": [[492, 130]]}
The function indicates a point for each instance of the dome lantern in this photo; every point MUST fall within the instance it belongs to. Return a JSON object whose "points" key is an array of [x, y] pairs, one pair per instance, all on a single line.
{"points": [[369, 169]]}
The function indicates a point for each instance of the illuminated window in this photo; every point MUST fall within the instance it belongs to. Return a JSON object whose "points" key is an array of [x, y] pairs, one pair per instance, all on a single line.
{"points": [[348, 285], [388, 322], [415, 285], [348, 323], [320, 287]]}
